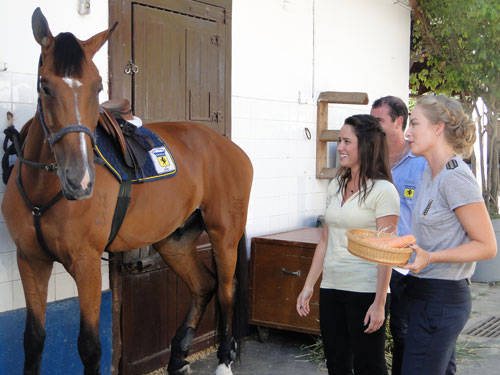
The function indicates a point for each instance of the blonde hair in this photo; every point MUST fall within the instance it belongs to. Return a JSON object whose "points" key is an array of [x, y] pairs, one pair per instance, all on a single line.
{"points": [[459, 130]]}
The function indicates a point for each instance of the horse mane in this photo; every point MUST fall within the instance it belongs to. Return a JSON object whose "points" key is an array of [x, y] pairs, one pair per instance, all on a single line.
{"points": [[24, 131], [68, 56]]}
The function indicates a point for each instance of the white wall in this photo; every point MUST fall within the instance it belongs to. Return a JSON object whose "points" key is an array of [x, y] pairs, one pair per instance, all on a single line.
{"points": [[285, 52], [19, 50]]}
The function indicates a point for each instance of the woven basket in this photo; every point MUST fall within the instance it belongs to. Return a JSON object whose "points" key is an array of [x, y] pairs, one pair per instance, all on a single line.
{"points": [[359, 246]]}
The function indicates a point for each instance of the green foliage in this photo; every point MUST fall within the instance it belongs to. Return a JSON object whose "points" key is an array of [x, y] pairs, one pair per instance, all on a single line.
{"points": [[455, 49], [458, 40]]}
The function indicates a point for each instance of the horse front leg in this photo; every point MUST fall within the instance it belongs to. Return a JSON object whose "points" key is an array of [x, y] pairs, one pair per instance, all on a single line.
{"points": [[35, 276], [87, 274], [180, 255]]}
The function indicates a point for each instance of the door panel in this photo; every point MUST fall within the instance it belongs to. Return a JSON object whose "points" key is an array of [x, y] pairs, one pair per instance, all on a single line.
{"points": [[160, 53], [182, 67], [204, 83], [149, 302]]}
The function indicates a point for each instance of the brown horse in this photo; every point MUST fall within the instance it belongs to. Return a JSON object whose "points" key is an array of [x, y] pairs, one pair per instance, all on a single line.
{"points": [[214, 177]]}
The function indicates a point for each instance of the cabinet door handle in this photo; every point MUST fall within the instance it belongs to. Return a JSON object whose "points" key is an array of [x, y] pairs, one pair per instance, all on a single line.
{"points": [[291, 273]]}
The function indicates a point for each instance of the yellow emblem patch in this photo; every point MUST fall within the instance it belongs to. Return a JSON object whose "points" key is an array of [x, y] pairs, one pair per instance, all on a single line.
{"points": [[163, 161], [409, 192]]}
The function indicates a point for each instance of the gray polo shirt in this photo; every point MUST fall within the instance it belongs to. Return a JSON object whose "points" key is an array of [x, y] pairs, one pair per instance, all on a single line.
{"points": [[435, 224]]}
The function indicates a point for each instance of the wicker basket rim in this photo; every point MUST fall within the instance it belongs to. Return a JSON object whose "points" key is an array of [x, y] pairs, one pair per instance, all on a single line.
{"points": [[358, 237]]}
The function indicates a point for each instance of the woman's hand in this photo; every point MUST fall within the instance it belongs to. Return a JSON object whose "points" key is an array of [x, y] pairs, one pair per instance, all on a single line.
{"points": [[374, 317], [303, 301], [422, 259]]}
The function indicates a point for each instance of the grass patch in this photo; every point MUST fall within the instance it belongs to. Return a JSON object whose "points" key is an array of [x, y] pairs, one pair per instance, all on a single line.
{"points": [[468, 351], [314, 352]]}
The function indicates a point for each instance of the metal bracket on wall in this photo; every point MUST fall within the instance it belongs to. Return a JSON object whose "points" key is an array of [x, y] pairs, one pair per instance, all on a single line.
{"points": [[323, 135]]}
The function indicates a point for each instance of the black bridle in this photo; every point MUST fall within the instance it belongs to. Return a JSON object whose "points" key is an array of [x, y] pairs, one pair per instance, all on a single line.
{"points": [[53, 138], [37, 210]]}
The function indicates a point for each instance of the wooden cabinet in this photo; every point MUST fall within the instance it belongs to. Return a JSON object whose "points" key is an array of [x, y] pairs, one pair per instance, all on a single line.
{"points": [[279, 266]]}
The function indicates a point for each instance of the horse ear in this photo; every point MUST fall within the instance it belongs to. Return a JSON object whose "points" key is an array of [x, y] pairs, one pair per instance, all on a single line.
{"points": [[41, 30], [92, 45]]}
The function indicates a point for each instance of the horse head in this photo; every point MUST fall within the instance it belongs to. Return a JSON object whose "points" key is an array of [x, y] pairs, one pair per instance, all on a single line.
{"points": [[68, 106]]}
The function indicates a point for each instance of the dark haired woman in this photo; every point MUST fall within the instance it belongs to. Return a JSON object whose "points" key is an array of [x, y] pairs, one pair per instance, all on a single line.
{"points": [[353, 293]]}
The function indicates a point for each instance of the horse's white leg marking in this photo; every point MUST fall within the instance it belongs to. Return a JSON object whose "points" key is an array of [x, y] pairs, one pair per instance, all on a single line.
{"points": [[74, 84], [223, 369]]}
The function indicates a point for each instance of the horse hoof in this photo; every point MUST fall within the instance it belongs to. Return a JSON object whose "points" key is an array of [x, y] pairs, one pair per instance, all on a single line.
{"points": [[184, 370], [223, 369]]}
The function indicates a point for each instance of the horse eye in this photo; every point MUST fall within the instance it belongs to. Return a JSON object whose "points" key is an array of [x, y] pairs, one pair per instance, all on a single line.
{"points": [[45, 89]]}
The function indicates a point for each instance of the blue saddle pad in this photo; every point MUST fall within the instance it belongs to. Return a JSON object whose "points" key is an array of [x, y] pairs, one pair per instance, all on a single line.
{"points": [[159, 162]]}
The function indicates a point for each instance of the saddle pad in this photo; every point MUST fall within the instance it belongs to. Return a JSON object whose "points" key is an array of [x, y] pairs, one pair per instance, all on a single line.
{"points": [[159, 161]]}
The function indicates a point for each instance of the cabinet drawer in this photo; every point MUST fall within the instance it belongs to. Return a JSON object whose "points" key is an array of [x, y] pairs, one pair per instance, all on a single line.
{"points": [[278, 273]]}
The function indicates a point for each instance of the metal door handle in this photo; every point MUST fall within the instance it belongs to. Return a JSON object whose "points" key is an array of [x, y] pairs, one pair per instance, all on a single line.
{"points": [[291, 273], [131, 68]]}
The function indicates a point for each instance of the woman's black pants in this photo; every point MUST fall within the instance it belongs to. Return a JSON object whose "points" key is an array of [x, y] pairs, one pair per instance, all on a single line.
{"points": [[348, 350]]}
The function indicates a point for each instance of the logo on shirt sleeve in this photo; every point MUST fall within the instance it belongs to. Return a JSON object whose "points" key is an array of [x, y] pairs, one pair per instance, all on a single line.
{"points": [[409, 192]]}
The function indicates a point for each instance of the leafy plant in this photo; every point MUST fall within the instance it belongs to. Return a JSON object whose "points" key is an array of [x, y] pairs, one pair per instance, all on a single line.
{"points": [[455, 52]]}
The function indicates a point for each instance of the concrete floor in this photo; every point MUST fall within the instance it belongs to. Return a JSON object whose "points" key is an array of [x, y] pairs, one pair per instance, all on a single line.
{"points": [[479, 355], [283, 352]]}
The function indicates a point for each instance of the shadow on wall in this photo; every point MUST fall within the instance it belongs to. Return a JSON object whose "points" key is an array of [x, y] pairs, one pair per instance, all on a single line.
{"points": [[60, 355]]}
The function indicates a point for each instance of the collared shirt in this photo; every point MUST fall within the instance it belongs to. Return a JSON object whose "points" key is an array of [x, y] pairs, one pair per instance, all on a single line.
{"points": [[435, 225], [407, 176]]}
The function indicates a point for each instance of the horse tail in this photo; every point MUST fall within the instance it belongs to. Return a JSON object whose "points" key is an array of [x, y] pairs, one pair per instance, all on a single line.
{"points": [[241, 301]]}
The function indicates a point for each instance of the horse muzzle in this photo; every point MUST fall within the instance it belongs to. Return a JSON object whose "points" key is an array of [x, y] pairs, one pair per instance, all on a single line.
{"points": [[76, 172], [77, 183]]}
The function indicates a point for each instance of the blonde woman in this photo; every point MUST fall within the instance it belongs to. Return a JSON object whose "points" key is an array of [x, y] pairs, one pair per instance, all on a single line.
{"points": [[453, 231]]}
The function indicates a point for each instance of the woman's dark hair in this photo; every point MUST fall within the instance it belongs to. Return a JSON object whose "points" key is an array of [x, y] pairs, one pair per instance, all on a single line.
{"points": [[373, 154]]}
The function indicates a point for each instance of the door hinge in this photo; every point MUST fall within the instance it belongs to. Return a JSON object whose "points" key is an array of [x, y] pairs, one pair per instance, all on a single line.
{"points": [[216, 116], [215, 40]]}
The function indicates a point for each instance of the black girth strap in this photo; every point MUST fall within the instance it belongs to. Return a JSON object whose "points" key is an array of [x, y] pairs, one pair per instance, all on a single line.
{"points": [[122, 204]]}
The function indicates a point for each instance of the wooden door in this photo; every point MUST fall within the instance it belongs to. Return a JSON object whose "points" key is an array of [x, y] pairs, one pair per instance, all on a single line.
{"points": [[180, 50], [185, 80]]}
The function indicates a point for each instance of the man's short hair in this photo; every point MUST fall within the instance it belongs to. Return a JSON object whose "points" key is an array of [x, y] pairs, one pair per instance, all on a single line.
{"points": [[396, 107]]}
